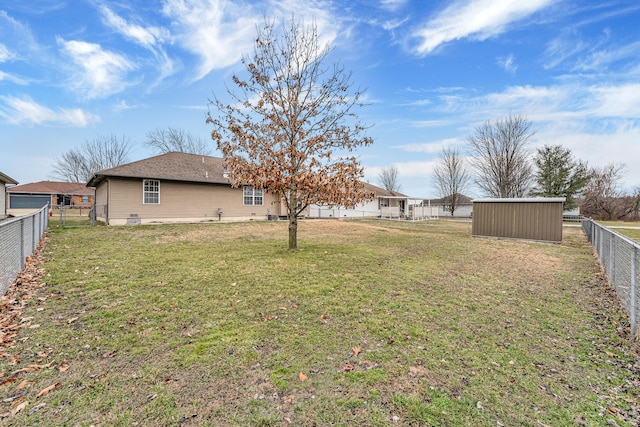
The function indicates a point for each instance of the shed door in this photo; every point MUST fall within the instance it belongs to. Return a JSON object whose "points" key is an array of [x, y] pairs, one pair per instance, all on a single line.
{"points": [[27, 201]]}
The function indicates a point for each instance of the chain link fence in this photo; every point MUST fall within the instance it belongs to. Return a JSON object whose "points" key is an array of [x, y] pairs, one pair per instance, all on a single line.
{"points": [[619, 256], [18, 239]]}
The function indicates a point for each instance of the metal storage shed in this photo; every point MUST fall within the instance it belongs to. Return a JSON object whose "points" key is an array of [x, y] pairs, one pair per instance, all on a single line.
{"points": [[537, 218]]}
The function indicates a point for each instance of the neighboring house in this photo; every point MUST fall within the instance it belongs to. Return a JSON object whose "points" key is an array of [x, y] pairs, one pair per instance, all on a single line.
{"points": [[176, 187], [38, 194], [385, 204], [464, 206], [4, 180]]}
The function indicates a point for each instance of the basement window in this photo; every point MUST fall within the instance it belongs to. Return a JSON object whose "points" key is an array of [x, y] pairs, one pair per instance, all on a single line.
{"points": [[151, 192]]}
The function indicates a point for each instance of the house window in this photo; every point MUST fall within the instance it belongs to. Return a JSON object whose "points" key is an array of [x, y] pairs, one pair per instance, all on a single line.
{"points": [[85, 199], [252, 196], [151, 192]]}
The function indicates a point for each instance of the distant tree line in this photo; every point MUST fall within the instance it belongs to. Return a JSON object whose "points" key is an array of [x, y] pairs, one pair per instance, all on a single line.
{"points": [[502, 165]]}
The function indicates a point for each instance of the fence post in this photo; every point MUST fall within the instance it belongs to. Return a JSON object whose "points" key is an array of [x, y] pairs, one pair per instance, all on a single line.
{"points": [[612, 259], [633, 312], [22, 260], [33, 234]]}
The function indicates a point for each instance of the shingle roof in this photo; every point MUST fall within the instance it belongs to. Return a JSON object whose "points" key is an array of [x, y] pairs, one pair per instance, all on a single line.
{"points": [[169, 166], [187, 167], [462, 200], [53, 187], [381, 192]]}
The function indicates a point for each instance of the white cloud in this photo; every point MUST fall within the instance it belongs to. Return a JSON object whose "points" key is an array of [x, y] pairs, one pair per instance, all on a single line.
{"points": [[148, 37], [508, 63], [475, 19], [151, 38], [601, 59], [328, 24], [431, 147], [562, 48], [621, 101], [217, 31], [392, 5], [5, 53], [12, 78], [102, 73], [26, 111]]}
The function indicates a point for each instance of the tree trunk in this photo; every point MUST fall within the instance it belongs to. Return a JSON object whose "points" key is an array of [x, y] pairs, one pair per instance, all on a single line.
{"points": [[293, 219]]}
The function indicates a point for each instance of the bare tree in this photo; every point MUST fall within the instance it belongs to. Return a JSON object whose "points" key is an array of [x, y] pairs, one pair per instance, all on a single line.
{"points": [[389, 178], [291, 125], [102, 152], [172, 139], [604, 200], [500, 157], [451, 178]]}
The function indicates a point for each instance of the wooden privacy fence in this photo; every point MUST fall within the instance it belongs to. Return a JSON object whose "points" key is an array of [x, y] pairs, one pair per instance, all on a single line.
{"points": [[18, 239], [618, 256]]}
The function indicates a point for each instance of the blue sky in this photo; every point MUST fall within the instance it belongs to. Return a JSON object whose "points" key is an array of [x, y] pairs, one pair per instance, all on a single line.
{"points": [[434, 70]]}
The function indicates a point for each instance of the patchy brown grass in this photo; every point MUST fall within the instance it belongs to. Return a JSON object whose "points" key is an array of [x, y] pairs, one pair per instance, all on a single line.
{"points": [[212, 324]]}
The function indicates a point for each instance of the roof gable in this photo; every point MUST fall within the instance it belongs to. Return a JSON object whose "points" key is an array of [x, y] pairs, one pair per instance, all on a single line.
{"points": [[169, 166]]}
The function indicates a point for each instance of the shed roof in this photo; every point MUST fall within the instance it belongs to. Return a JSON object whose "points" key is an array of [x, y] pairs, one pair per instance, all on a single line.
{"points": [[522, 200], [7, 179], [169, 166], [53, 187]]}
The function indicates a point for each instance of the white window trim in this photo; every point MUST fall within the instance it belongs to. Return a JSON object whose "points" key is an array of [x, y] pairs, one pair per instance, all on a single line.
{"points": [[144, 182], [253, 196]]}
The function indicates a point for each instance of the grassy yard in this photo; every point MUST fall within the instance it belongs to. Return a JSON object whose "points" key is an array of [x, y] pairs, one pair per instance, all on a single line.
{"points": [[629, 229], [371, 323]]}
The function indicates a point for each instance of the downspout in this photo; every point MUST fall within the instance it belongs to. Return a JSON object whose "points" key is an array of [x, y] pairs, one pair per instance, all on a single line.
{"points": [[106, 208]]}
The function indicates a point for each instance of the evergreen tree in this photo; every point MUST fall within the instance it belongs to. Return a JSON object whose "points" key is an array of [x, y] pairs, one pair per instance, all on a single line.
{"points": [[559, 174]]}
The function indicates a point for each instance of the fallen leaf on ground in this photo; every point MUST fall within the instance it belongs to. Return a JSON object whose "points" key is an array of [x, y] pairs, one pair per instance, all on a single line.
{"points": [[24, 384], [302, 377], [46, 390], [20, 407], [64, 365], [349, 366], [356, 351], [109, 354]]}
